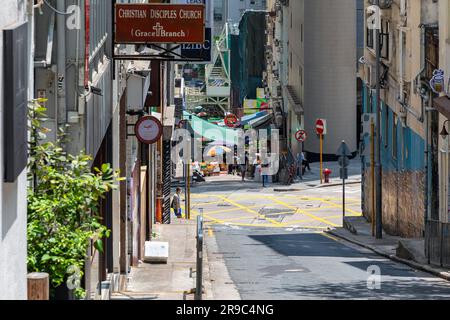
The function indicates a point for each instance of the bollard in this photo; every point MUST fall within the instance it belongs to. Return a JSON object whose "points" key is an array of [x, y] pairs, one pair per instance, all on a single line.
{"points": [[199, 272], [38, 286]]}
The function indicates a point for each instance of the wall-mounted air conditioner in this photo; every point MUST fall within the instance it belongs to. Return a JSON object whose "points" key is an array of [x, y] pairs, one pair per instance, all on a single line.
{"points": [[384, 4]]}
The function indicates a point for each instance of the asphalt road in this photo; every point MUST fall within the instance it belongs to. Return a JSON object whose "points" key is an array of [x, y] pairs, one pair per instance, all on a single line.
{"points": [[274, 245], [272, 264]]}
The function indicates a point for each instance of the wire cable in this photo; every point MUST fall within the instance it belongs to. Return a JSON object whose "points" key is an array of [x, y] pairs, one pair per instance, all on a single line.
{"points": [[56, 10]]}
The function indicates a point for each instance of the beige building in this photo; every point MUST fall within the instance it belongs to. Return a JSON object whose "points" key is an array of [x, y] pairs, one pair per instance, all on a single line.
{"points": [[413, 45], [316, 82]]}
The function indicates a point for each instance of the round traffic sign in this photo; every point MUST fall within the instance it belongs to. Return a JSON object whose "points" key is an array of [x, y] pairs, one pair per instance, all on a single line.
{"points": [[320, 127], [231, 121], [148, 130], [301, 136]]}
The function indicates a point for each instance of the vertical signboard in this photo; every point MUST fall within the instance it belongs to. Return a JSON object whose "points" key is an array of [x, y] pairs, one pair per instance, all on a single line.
{"points": [[201, 51]]}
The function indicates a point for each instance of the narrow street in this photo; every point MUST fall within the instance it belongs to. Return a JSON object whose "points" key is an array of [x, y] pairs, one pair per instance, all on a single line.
{"points": [[274, 245]]}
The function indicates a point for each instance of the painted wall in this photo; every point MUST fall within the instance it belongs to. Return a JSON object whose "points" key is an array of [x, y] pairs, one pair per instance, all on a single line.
{"points": [[13, 244], [403, 165]]}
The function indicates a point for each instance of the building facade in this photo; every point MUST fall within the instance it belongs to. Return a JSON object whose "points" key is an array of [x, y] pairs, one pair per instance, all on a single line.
{"points": [[16, 88], [315, 83], [97, 98], [414, 154]]}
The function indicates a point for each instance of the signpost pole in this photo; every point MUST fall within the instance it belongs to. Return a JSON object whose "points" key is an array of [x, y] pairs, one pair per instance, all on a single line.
{"points": [[343, 198], [372, 173], [321, 158], [301, 160]]}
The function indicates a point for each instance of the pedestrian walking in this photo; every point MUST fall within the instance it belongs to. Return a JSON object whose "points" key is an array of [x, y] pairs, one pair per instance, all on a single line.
{"points": [[244, 167], [176, 203], [305, 163]]}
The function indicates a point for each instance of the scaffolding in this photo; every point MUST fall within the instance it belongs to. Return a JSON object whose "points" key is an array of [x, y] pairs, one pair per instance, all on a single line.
{"points": [[217, 89]]}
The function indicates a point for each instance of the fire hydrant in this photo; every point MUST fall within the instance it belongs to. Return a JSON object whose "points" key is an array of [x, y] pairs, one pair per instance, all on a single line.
{"points": [[327, 172]]}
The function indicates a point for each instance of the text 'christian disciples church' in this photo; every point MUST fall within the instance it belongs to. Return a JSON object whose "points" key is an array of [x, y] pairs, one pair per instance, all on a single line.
{"points": [[160, 14]]}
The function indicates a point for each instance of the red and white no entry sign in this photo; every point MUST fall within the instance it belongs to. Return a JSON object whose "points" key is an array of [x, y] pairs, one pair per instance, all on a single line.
{"points": [[301, 136], [321, 126]]}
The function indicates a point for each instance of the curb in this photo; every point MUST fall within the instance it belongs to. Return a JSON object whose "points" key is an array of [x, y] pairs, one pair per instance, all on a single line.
{"points": [[412, 264]]}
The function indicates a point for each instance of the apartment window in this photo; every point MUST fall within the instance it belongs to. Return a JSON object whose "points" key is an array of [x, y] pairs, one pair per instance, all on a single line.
{"points": [[403, 58], [370, 36], [384, 39], [301, 32], [291, 60], [300, 74]]}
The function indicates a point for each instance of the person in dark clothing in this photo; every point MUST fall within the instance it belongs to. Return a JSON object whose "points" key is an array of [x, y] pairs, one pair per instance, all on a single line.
{"points": [[305, 163]]}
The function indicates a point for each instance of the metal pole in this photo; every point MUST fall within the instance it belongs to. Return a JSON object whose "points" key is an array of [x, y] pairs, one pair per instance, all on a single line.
{"points": [[379, 214], [372, 169], [199, 270], [301, 160], [61, 62], [343, 197], [188, 194], [321, 159]]}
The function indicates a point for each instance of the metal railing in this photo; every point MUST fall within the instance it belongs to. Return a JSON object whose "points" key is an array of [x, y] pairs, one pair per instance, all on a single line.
{"points": [[437, 243]]}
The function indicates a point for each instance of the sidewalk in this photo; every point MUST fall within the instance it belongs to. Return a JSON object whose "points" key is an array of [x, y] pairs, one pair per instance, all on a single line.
{"points": [[311, 179], [407, 251], [176, 279]]}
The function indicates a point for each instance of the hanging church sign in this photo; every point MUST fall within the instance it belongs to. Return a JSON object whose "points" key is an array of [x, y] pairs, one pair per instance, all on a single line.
{"points": [[160, 23]]}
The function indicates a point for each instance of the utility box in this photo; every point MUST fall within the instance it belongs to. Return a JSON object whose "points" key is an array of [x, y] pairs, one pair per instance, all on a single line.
{"points": [[156, 252], [137, 90]]}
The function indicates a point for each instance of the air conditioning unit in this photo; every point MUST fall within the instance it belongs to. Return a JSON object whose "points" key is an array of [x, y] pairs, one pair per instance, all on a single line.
{"points": [[384, 4]]}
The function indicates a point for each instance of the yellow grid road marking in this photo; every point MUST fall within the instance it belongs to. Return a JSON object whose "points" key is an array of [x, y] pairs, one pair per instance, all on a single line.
{"points": [[306, 213], [252, 211]]}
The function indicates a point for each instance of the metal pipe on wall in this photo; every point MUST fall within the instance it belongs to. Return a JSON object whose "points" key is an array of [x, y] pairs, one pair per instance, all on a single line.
{"points": [[61, 62], [378, 167]]}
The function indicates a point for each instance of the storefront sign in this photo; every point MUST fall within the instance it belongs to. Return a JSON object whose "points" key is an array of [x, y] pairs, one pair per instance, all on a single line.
{"points": [[148, 130], [160, 23]]}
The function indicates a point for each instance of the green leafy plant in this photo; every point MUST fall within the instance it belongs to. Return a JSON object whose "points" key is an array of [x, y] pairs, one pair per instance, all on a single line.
{"points": [[63, 204]]}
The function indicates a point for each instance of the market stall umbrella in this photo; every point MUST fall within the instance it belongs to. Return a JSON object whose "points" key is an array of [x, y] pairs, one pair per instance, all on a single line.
{"points": [[218, 151]]}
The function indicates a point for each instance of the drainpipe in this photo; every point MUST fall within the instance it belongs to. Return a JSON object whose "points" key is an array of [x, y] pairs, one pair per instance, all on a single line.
{"points": [[61, 62], [426, 100]]}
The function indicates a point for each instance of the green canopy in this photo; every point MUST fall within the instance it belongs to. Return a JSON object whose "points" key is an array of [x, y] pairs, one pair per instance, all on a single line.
{"points": [[212, 131]]}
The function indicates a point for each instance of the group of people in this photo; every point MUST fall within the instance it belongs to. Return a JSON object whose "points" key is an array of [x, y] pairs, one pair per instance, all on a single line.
{"points": [[244, 166]]}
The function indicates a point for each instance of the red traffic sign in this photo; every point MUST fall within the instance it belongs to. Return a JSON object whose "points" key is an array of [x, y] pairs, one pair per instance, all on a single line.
{"points": [[301, 136], [231, 121], [321, 126], [148, 130]]}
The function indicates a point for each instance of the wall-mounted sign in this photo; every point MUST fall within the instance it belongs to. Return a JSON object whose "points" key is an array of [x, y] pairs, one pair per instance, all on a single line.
{"points": [[148, 130], [160, 23]]}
